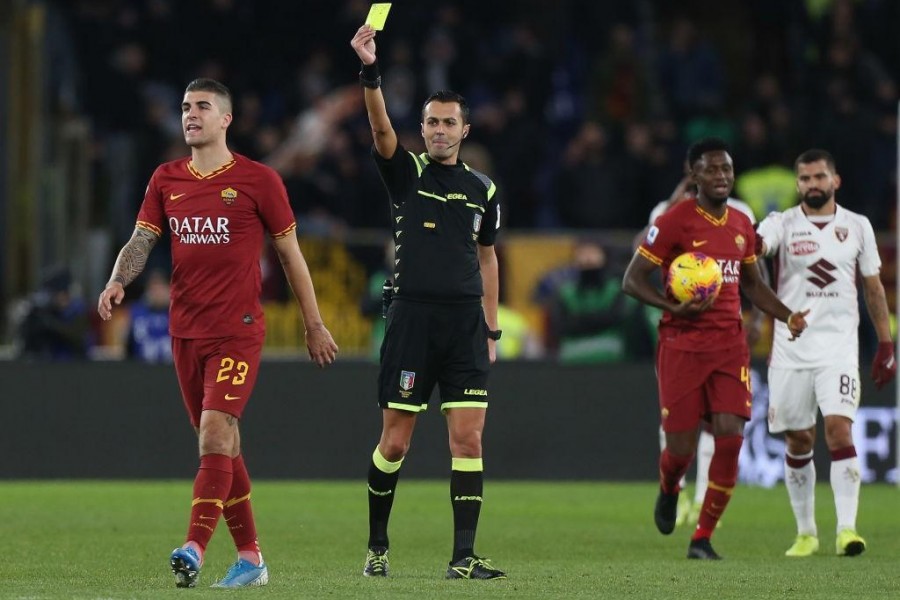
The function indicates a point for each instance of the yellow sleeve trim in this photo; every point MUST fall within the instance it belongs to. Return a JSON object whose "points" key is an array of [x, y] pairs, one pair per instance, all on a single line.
{"points": [[467, 464], [649, 256], [149, 227], [749, 260], [384, 464], [285, 232]]}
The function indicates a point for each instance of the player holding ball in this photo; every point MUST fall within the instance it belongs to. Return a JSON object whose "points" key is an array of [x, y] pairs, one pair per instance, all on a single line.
{"points": [[703, 361]]}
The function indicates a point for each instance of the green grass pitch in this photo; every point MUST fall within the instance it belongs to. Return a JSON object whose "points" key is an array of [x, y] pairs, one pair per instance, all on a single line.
{"points": [[105, 540]]}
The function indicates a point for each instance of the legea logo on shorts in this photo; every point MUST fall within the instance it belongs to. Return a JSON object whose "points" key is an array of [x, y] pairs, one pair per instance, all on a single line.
{"points": [[200, 230], [474, 392]]}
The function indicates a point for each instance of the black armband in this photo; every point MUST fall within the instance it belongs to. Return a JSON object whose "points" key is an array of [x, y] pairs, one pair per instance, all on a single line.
{"points": [[369, 76]]}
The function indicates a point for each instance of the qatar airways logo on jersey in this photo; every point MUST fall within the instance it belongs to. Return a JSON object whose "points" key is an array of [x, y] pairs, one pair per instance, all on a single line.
{"points": [[803, 247], [200, 230], [731, 270]]}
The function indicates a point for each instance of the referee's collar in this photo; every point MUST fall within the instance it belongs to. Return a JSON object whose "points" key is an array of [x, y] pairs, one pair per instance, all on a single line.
{"points": [[429, 161]]}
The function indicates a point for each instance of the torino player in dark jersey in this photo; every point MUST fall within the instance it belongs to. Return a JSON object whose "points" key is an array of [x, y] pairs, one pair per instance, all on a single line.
{"points": [[703, 361], [218, 208]]}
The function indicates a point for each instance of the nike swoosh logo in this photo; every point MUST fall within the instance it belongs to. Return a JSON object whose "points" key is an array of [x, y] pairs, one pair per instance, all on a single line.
{"points": [[174, 197], [697, 244], [230, 397], [210, 518]]}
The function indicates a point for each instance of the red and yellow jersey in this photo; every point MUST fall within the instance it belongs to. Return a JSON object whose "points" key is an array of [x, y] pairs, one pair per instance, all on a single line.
{"points": [[217, 223], [729, 240]]}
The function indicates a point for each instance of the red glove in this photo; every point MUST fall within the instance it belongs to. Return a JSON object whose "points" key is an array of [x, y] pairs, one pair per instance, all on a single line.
{"points": [[884, 367]]}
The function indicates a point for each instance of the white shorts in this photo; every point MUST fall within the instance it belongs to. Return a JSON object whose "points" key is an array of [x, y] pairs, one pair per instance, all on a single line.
{"points": [[794, 395]]}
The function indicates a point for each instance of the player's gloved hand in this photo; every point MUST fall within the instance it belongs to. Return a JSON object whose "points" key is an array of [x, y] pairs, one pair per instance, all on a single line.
{"points": [[884, 367]]}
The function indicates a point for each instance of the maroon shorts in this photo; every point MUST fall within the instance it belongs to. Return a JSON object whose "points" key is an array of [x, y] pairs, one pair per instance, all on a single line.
{"points": [[217, 373], [693, 385]]}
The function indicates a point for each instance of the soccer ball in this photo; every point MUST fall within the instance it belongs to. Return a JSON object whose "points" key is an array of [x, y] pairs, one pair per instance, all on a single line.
{"points": [[694, 275]]}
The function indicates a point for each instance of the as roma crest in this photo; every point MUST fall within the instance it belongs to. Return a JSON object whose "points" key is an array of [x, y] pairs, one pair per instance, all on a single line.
{"points": [[841, 233], [229, 195], [740, 241]]}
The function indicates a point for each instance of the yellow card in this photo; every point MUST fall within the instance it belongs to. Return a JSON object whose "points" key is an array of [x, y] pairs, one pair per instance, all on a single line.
{"points": [[378, 15]]}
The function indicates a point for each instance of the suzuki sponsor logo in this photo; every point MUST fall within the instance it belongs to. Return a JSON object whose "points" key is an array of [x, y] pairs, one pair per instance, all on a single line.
{"points": [[821, 273]]}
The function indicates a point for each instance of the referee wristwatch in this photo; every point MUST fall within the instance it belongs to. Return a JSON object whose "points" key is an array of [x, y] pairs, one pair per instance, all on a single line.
{"points": [[495, 334]]}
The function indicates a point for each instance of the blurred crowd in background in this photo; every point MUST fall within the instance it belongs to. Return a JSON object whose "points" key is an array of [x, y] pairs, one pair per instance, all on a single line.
{"points": [[581, 111]]}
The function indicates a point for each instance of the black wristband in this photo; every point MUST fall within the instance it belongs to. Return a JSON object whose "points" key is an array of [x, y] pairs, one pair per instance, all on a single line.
{"points": [[369, 76]]}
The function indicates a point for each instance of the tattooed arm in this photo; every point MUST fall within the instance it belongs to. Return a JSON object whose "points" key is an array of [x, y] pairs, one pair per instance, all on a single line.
{"points": [[130, 263]]}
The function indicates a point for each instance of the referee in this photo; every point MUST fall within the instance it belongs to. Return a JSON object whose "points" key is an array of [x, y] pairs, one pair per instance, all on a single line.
{"points": [[442, 323]]}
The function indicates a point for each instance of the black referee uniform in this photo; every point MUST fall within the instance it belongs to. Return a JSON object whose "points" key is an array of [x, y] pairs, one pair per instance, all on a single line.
{"points": [[436, 331]]}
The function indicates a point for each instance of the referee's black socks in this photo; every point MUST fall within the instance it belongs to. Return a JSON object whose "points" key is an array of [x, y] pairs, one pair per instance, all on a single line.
{"points": [[383, 476], [466, 485]]}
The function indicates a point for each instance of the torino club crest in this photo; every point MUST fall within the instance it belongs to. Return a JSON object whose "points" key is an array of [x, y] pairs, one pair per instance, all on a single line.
{"points": [[841, 233]]}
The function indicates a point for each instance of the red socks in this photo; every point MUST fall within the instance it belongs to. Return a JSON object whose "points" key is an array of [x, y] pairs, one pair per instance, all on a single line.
{"points": [[723, 471], [238, 513], [671, 469], [210, 492]]}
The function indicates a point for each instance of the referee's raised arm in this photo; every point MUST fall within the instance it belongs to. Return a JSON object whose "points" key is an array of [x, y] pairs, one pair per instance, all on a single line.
{"points": [[363, 43]]}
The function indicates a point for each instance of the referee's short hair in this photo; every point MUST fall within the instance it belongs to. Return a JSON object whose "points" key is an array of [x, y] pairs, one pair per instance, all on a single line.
{"points": [[701, 147], [448, 96]]}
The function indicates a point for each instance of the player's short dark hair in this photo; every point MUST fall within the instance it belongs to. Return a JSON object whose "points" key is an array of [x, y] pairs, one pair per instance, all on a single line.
{"points": [[205, 84], [701, 147], [448, 96], [815, 155]]}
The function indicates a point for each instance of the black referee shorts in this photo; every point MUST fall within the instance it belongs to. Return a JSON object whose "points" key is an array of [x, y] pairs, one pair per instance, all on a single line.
{"points": [[427, 343]]}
